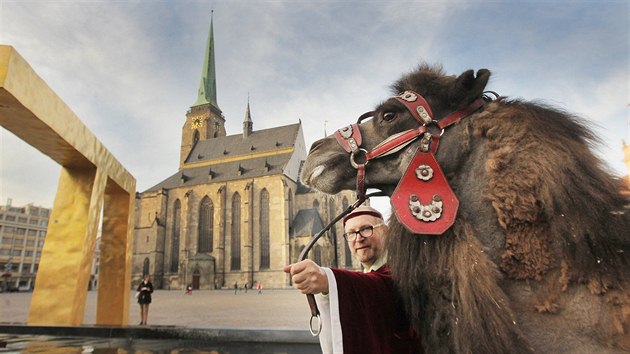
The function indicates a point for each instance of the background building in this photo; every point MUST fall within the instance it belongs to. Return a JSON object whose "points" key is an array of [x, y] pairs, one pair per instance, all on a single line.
{"points": [[22, 235], [235, 211]]}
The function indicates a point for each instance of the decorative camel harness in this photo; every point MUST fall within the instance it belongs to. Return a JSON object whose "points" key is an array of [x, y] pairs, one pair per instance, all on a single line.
{"points": [[423, 200]]}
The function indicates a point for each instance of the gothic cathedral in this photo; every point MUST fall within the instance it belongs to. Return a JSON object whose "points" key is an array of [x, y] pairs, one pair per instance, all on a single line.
{"points": [[235, 211]]}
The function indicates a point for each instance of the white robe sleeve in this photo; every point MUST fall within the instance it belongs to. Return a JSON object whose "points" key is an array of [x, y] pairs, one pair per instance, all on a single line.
{"points": [[331, 337]]}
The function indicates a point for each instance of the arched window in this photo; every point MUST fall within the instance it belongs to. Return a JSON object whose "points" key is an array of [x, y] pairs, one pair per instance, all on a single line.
{"points": [[333, 231], [264, 229], [177, 208], [236, 232], [214, 132], [195, 136], [206, 224], [317, 254], [145, 267], [347, 253], [290, 212], [316, 204]]}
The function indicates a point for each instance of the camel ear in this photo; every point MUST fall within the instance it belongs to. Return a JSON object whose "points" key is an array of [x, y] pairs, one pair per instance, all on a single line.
{"points": [[467, 87]]}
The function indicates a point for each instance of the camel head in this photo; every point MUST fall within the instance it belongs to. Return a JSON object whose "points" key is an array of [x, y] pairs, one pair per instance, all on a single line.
{"points": [[328, 167]]}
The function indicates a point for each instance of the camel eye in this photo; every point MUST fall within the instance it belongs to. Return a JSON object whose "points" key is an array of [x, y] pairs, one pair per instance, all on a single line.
{"points": [[389, 116]]}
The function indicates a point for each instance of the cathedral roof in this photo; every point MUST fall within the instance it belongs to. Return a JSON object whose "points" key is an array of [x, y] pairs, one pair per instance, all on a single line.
{"points": [[259, 142], [258, 167], [263, 153], [307, 222]]}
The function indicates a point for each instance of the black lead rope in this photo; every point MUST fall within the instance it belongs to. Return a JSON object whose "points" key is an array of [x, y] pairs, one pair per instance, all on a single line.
{"points": [[310, 297]]}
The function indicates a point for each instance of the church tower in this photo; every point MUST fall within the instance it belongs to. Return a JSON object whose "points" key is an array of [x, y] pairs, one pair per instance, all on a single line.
{"points": [[204, 120], [248, 125]]}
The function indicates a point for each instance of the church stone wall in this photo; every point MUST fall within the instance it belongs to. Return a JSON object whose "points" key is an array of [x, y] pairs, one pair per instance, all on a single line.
{"points": [[292, 168], [214, 268], [154, 233], [279, 252], [150, 216], [190, 261], [328, 207], [250, 272]]}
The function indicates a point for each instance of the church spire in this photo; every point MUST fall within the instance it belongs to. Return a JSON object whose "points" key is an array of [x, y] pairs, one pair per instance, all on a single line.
{"points": [[248, 124], [208, 85]]}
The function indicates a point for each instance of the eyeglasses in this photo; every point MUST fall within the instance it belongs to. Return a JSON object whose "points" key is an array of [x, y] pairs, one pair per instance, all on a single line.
{"points": [[365, 231]]}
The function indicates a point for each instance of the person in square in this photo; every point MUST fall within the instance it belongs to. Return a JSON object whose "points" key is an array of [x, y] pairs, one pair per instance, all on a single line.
{"points": [[145, 288]]}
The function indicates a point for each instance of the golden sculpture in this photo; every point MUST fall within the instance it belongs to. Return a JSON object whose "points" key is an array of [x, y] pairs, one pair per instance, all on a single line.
{"points": [[91, 180]]}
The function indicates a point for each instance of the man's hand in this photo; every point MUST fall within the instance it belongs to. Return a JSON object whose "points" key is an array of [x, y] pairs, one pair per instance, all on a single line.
{"points": [[308, 277]]}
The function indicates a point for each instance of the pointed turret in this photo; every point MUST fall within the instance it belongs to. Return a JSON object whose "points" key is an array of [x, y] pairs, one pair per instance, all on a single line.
{"points": [[208, 85], [248, 125]]}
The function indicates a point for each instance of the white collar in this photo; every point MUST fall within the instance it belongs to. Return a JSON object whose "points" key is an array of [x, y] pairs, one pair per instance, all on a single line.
{"points": [[376, 265]]}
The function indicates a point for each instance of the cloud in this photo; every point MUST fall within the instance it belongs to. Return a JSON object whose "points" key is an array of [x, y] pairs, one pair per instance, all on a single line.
{"points": [[130, 70]]}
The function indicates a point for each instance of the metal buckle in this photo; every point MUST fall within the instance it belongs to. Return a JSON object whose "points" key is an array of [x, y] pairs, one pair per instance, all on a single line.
{"points": [[315, 331], [352, 154]]}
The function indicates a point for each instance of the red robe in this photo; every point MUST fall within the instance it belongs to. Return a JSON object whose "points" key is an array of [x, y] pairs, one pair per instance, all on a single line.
{"points": [[361, 315]]}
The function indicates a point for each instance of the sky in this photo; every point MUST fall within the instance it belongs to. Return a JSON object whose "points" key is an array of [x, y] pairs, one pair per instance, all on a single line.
{"points": [[130, 69]]}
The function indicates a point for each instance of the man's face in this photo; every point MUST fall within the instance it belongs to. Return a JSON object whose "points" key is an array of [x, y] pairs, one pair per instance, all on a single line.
{"points": [[367, 250]]}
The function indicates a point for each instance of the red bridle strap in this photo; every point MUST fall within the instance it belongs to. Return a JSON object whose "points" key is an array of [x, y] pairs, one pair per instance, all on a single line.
{"points": [[455, 116], [349, 137], [361, 179], [417, 106], [395, 143], [398, 141]]}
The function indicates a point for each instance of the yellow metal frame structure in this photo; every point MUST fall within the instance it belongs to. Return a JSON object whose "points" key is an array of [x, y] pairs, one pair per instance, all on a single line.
{"points": [[91, 180]]}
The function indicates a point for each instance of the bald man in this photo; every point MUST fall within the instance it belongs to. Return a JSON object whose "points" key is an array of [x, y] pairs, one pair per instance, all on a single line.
{"points": [[359, 311]]}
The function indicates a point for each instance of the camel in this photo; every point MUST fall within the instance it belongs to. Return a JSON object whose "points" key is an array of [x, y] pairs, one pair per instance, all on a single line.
{"points": [[536, 258]]}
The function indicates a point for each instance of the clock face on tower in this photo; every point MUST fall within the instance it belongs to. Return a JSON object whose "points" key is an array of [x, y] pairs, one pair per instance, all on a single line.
{"points": [[197, 122]]}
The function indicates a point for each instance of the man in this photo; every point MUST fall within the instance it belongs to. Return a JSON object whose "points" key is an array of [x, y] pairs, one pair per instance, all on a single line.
{"points": [[364, 230], [359, 311]]}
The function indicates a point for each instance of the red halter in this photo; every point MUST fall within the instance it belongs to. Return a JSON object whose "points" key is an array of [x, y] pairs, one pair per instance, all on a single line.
{"points": [[423, 181]]}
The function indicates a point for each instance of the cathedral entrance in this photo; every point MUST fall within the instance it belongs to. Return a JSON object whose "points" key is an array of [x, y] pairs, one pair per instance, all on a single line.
{"points": [[195, 279], [200, 272]]}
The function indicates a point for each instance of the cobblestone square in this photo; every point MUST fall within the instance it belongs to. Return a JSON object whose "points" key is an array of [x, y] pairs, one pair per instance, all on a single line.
{"points": [[273, 309]]}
